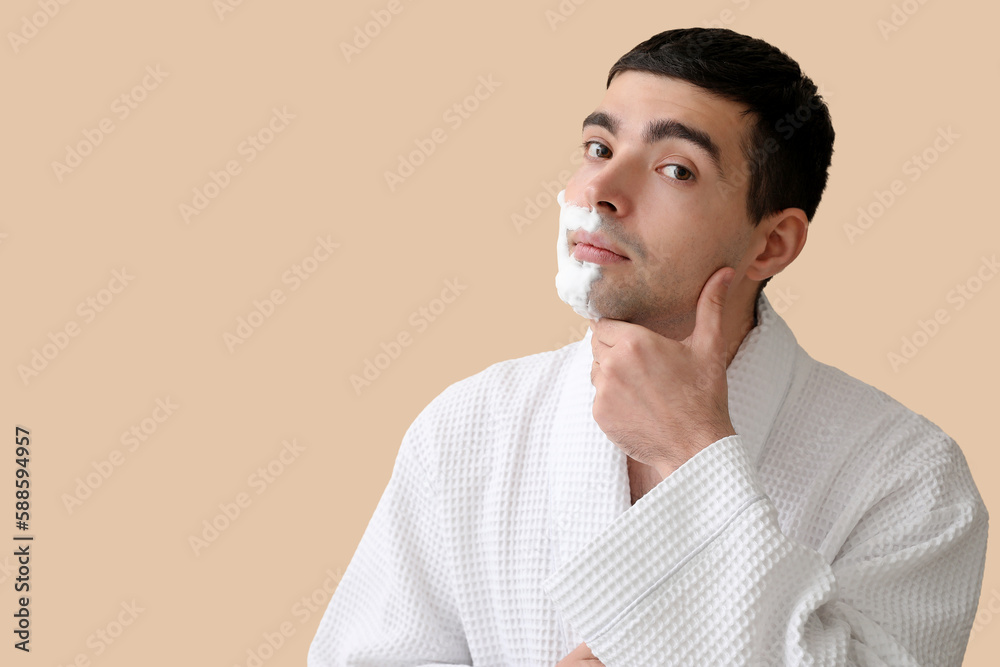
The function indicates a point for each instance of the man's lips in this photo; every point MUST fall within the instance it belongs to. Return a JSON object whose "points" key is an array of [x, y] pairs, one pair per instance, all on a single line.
{"points": [[595, 248]]}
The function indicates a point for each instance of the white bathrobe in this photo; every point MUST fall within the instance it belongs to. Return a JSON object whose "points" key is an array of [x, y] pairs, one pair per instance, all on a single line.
{"points": [[837, 528]]}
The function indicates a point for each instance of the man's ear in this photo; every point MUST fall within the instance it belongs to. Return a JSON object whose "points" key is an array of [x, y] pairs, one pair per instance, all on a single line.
{"points": [[779, 238]]}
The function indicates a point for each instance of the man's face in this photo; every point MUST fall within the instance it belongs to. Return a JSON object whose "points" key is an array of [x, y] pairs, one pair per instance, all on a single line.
{"points": [[664, 205]]}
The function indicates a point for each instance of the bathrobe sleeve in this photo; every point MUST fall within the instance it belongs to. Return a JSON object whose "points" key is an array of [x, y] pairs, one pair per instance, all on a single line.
{"points": [[395, 604], [698, 571]]}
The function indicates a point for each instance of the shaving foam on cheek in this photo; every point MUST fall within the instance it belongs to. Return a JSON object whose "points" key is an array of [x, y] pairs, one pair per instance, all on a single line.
{"points": [[574, 279]]}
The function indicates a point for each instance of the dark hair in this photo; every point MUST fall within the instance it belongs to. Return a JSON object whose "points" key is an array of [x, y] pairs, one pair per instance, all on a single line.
{"points": [[789, 148]]}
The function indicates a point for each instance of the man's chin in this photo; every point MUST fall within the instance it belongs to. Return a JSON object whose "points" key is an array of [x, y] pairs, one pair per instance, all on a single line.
{"points": [[612, 308], [642, 314]]}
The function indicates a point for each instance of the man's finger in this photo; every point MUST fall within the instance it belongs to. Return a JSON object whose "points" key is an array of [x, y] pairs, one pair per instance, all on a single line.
{"points": [[597, 348], [579, 656], [608, 331], [707, 335]]}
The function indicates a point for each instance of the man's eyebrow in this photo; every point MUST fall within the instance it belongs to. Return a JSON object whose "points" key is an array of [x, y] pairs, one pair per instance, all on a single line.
{"points": [[660, 129], [601, 119]]}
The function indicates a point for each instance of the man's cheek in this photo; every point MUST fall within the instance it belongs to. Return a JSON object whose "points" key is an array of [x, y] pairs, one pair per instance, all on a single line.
{"points": [[648, 275]]}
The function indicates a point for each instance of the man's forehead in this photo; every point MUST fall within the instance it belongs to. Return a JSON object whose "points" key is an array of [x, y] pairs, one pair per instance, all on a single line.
{"points": [[670, 94]]}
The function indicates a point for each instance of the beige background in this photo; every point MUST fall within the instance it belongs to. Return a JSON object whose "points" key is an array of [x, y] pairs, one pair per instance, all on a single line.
{"points": [[162, 336]]}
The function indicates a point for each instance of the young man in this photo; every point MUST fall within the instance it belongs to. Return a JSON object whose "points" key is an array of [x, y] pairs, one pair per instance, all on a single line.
{"points": [[685, 486]]}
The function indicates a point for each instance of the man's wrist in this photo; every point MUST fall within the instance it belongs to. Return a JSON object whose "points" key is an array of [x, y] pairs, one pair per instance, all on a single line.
{"points": [[701, 441]]}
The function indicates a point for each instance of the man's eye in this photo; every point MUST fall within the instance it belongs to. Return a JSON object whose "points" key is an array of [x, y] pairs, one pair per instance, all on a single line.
{"points": [[681, 173], [588, 145]]}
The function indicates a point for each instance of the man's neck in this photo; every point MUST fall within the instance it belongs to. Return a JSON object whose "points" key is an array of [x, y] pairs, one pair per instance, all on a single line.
{"points": [[736, 333]]}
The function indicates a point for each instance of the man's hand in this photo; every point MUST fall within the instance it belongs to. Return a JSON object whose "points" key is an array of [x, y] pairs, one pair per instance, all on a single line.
{"points": [[662, 401], [581, 655]]}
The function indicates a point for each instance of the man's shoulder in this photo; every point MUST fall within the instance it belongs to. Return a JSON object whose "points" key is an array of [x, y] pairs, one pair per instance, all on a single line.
{"points": [[851, 413], [489, 416], [507, 388]]}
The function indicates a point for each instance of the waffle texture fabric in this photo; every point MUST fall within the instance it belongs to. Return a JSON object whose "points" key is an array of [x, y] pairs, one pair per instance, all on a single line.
{"points": [[837, 528]]}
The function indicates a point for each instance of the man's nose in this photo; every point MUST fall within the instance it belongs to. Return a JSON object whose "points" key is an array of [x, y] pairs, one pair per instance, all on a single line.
{"points": [[608, 190]]}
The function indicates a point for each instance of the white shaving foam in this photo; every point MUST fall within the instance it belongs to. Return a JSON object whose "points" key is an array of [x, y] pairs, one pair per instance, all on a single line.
{"points": [[574, 279]]}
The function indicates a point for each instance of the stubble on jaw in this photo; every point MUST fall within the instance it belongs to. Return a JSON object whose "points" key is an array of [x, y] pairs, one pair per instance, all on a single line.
{"points": [[668, 310]]}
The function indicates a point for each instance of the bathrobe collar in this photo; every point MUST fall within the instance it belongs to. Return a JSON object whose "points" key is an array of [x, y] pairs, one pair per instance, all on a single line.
{"points": [[589, 484]]}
